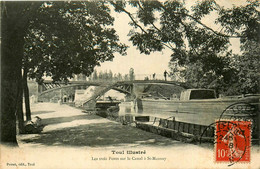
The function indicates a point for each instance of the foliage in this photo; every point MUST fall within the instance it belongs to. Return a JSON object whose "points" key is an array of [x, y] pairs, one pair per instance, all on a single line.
{"points": [[131, 74], [242, 21], [109, 76], [247, 68], [200, 54], [94, 75], [56, 39], [67, 38], [12, 33]]}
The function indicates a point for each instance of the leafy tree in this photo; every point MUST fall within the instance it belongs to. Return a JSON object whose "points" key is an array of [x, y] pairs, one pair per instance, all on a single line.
{"points": [[81, 77], [244, 22], [131, 74], [100, 75], [197, 49], [247, 69], [13, 25], [74, 48], [56, 39], [82, 42], [94, 75], [126, 77], [105, 76], [110, 75], [120, 77]]}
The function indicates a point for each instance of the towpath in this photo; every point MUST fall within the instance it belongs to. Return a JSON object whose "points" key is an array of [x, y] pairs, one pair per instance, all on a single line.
{"points": [[69, 126], [74, 139]]}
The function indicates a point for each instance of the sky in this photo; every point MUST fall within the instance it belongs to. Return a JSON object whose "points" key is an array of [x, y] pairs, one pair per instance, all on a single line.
{"points": [[156, 62]]}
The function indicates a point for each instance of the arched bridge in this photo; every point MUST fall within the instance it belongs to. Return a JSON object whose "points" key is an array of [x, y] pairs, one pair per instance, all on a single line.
{"points": [[48, 86], [126, 87]]}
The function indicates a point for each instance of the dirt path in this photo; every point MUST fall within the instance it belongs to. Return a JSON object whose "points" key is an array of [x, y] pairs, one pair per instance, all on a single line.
{"points": [[68, 126], [73, 139]]}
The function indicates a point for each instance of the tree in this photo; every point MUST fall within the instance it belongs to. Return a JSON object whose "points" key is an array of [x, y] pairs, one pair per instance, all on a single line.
{"points": [[110, 75], [100, 76], [82, 42], [247, 69], [26, 93], [193, 43], [56, 39], [131, 74], [126, 77], [94, 75], [120, 77], [244, 22], [12, 30], [105, 76]]}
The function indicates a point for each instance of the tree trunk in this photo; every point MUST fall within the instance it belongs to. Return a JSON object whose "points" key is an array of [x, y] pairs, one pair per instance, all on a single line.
{"points": [[26, 95], [12, 43], [19, 108], [9, 94]]}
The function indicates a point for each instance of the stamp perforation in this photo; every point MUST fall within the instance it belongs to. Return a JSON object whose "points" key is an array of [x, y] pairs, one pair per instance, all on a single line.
{"points": [[247, 151]]}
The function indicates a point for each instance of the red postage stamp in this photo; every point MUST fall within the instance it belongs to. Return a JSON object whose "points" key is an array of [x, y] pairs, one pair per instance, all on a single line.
{"points": [[233, 141]]}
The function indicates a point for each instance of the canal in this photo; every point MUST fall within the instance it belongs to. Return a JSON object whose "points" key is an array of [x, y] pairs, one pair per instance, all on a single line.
{"points": [[165, 110], [127, 108]]}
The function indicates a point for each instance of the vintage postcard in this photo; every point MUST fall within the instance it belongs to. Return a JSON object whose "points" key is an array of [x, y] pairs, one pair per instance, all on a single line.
{"points": [[160, 84]]}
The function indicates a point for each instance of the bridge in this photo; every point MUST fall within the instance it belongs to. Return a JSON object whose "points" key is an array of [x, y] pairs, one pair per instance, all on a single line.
{"points": [[48, 89]]}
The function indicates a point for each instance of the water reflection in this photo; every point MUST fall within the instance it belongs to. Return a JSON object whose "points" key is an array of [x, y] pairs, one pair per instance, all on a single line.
{"points": [[167, 112], [127, 108]]}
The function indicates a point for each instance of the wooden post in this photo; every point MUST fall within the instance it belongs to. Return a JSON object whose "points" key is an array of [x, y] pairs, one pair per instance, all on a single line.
{"points": [[258, 121], [61, 96]]}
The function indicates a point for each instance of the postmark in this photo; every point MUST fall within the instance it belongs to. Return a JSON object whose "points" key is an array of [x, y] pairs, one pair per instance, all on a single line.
{"points": [[232, 141]]}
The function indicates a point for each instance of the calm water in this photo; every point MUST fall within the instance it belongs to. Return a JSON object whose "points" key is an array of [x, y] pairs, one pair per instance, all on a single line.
{"points": [[167, 112], [203, 113], [127, 108]]}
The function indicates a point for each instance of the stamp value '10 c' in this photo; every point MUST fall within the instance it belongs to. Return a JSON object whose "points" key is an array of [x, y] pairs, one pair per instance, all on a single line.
{"points": [[233, 141]]}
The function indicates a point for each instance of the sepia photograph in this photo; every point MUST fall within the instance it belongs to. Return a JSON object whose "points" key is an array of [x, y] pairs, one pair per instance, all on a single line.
{"points": [[163, 84]]}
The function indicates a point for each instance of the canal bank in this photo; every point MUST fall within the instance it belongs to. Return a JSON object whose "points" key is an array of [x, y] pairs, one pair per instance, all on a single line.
{"points": [[73, 139], [68, 126]]}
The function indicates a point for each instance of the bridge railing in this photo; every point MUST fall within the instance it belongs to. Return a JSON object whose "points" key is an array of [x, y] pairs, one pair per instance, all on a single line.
{"points": [[150, 77], [136, 77]]}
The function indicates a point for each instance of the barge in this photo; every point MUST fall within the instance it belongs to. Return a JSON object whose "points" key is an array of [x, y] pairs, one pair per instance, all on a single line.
{"points": [[197, 106]]}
